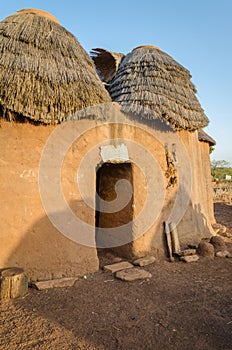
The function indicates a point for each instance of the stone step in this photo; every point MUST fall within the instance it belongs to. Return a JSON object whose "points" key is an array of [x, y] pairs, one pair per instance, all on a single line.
{"points": [[223, 254], [135, 274], [118, 266], [57, 283], [147, 260], [187, 252], [189, 258]]}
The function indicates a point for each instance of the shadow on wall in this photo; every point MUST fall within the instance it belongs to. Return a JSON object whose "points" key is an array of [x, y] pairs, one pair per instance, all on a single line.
{"points": [[201, 219], [193, 225], [104, 313], [154, 124], [45, 253]]}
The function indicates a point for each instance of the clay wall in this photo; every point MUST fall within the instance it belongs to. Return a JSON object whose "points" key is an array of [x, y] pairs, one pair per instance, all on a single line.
{"points": [[28, 238], [222, 191], [31, 241]]}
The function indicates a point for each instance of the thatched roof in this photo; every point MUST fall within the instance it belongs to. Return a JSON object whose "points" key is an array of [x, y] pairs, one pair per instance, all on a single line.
{"points": [[107, 62], [41, 13], [203, 137], [150, 84], [45, 74]]}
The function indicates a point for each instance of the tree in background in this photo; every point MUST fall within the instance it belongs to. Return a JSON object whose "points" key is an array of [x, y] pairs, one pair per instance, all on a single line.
{"points": [[211, 149], [219, 168]]}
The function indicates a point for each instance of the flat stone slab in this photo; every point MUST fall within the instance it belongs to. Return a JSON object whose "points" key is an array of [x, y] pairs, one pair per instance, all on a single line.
{"points": [[135, 274], [57, 283], [144, 261], [118, 266], [223, 254], [189, 258], [187, 252]]}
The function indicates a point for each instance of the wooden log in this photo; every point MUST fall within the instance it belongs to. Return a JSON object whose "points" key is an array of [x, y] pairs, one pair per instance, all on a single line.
{"points": [[169, 242], [175, 238], [13, 283]]}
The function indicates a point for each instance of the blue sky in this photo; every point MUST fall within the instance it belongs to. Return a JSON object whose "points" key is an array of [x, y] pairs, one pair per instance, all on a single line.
{"points": [[198, 34]]}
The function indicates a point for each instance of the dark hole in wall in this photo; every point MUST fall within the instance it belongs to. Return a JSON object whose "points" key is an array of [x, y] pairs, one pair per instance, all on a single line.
{"points": [[106, 178]]}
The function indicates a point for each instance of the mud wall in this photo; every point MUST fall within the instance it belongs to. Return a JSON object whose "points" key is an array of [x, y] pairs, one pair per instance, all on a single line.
{"points": [[199, 216], [28, 238], [31, 241], [222, 191], [194, 212]]}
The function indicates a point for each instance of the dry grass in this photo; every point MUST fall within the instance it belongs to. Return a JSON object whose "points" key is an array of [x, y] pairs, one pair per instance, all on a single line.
{"points": [[202, 136], [150, 84], [45, 74], [40, 13]]}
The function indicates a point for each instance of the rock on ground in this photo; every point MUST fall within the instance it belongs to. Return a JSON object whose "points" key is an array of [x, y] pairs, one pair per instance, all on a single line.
{"points": [[134, 274], [187, 252], [218, 243], [189, 258], [144, 261], [205, 249], [219, 229], [223, 254], [57, 283], [118, 266]]}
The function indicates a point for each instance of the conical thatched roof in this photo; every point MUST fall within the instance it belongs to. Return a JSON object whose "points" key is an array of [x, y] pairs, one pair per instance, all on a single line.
{"points": [[204, 137], [150, 84], [45, 74]]}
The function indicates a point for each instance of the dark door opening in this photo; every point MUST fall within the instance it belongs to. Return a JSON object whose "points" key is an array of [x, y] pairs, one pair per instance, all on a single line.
{"points": [[107, 177]]}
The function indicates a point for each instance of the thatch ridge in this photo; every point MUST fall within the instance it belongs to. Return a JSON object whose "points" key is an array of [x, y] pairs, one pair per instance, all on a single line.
{"points": [[106, 62], [40, 13], [45, 74], [204, 137], [150, 84], [146, 46]]}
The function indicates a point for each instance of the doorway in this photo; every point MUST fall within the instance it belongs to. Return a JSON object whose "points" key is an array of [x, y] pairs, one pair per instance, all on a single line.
{"points": [[107, 177]]}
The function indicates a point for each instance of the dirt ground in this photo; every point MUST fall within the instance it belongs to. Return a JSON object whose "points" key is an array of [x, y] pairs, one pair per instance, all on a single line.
{"points": [[183, 306]]}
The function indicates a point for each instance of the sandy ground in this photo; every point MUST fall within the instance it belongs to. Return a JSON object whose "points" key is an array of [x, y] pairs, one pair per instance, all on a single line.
{"points": [[183, 306]]}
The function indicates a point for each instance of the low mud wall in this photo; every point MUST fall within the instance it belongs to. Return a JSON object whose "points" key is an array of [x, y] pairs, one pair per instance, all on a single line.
{"points": [[222, 192]]}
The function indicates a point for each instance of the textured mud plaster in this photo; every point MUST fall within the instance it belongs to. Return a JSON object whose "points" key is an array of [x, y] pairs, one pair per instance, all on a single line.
{"points": [[31, 241], [28, 238]]}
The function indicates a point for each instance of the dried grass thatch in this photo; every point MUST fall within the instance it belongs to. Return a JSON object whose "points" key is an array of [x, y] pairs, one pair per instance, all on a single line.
{"points": [[106, 62], [40, 13], [203, 137], [45, 74], [150, 84]]}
